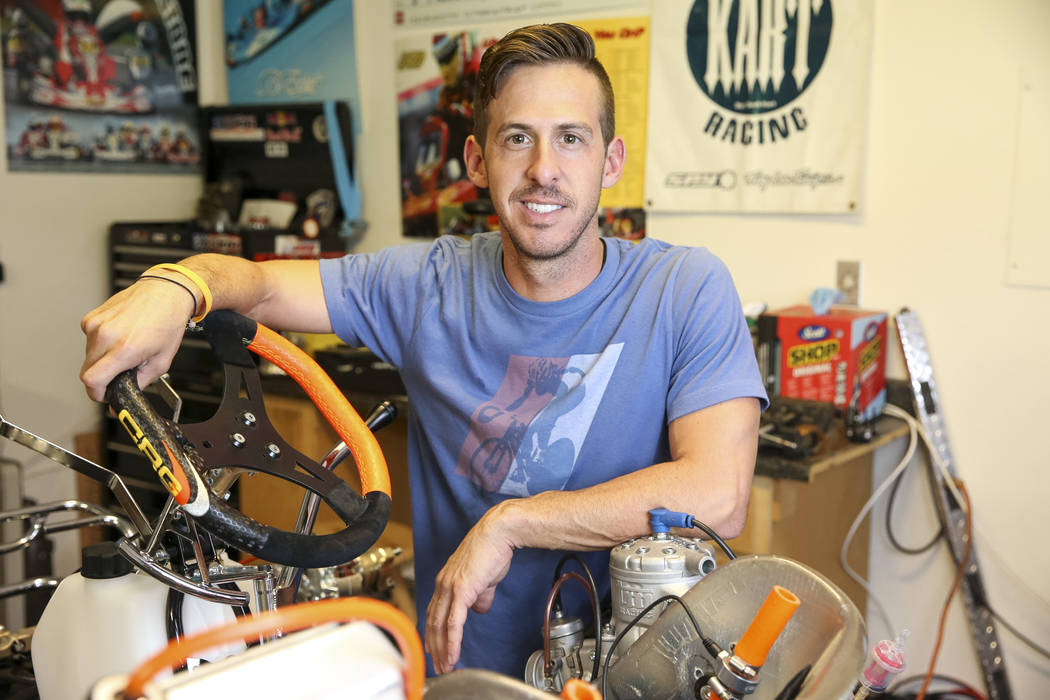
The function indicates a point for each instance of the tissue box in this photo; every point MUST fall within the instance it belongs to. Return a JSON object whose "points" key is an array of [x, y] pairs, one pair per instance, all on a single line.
{"points": [[839, 357]]}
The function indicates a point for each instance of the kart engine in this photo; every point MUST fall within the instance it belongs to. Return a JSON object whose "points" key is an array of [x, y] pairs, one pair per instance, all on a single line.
{"points": [[641, 570], [712, 642]]}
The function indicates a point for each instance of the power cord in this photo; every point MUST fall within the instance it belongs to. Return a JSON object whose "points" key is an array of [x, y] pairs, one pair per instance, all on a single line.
{"points": [[898, 470], [889, 520], [960, 572], [912, 422]]}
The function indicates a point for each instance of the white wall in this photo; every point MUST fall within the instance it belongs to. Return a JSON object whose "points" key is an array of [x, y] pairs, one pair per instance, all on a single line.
{"points": [[932, 235]]}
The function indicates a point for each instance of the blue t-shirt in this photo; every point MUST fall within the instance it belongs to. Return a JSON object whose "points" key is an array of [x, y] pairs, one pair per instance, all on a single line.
{"points": [[511, 397]]}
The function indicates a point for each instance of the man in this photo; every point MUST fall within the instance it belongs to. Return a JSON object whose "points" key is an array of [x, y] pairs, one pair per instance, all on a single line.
{"points": [[562, 384]]}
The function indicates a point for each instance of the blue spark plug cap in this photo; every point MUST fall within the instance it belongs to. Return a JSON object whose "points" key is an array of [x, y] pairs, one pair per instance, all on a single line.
{"points": [[662, 520]]}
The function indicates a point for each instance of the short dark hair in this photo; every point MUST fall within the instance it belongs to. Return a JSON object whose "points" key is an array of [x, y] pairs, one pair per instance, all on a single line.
{"points": [[537, 45]]}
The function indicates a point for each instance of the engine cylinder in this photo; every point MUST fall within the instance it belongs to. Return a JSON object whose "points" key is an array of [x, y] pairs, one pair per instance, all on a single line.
{"points": [[646, 568]]}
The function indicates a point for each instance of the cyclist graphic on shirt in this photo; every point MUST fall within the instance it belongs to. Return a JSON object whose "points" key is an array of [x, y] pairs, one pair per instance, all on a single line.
{"points": [[526, 438]]}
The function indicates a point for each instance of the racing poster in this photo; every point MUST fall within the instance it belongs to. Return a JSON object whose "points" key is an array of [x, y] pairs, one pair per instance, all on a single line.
{"points": [[436, 70], [100, 85], [290, 51], [758, 105]]}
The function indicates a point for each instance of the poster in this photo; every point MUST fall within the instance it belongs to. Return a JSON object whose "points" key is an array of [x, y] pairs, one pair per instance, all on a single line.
{"points": [[758, 105], [436, 71], [100, 86], [432, 14], [290, 51]]}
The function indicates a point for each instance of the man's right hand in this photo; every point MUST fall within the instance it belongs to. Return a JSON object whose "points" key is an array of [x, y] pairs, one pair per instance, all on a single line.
{"points": [[140, 326]]}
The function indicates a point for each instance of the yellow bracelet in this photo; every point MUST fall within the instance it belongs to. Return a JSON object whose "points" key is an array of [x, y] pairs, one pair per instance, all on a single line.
{"points": [[192, 277]]}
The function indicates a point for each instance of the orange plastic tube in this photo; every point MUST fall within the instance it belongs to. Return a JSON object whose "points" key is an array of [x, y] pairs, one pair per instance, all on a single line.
{"points": [[766, 626], [371, 465], [576, 689], [288, 619]]}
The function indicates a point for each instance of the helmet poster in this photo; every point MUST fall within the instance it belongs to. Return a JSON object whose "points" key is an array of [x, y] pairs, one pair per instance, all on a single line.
{"points": [[438, 51]]}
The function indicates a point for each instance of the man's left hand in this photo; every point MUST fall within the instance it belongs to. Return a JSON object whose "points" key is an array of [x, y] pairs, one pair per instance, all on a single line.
{"points": [[468, 580]]}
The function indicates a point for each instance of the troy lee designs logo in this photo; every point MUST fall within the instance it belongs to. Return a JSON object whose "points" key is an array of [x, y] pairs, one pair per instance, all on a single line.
{"points": [[754, 57]]}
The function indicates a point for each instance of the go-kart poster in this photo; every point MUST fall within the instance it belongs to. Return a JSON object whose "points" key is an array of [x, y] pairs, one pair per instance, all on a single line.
{"points": [[290, 51], [100, 86], [436, 71]]}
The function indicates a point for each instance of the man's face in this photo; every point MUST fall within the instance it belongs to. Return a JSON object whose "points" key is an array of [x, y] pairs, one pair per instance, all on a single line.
{"points": [[545, 162]]}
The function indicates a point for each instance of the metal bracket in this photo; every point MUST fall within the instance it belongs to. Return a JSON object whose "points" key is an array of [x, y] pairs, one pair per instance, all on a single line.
{"points": [[78, 464], [927, 407]]}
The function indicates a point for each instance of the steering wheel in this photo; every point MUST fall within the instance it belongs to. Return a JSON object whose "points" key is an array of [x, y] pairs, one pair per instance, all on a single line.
{"points": [[241, 435]]}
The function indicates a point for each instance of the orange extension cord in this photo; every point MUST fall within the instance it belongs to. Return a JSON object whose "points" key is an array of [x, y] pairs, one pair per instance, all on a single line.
{"points": [[955, 587], [288, 619]]}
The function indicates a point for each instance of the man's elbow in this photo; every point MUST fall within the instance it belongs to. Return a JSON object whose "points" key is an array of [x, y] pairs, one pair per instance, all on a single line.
{"points": [[733, 524], [734, 512]]}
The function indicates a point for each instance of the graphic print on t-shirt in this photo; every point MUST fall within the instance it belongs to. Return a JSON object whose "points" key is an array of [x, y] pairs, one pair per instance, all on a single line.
{"points": [[526, 438]]}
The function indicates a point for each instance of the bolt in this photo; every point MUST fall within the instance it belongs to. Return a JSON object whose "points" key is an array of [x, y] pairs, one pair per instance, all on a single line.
{"points": [[237, 440], [273, 451], [248, 418]]}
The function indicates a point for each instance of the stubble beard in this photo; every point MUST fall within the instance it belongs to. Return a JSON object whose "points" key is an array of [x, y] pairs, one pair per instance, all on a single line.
{"points": [[530, 254]]}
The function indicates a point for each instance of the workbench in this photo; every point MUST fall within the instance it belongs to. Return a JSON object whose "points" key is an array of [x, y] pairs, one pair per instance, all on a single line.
{"points": [[802, 508]]}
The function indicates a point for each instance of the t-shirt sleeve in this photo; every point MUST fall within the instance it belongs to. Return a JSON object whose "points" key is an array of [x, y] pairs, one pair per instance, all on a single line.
{"points": [[376, 299], [714, 354]]}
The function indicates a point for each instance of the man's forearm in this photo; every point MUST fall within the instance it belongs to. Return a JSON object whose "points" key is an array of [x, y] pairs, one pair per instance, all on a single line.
{"points": [[710, 479], [282, 294], [605, 515]]}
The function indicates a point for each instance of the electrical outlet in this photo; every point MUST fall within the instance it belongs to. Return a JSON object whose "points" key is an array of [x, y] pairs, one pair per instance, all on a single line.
{"points": [[847, 280]]}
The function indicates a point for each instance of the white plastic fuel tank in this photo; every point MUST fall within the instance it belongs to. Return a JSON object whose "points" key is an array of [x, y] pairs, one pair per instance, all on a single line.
{"points": [[108, 619]]}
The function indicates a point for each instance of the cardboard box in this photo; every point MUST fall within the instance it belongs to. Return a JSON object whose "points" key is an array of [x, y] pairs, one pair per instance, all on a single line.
{"points": [[839, 357]]}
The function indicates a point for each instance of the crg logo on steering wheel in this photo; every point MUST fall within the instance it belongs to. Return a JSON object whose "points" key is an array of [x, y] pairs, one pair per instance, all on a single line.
{"points": [[146, 448]]}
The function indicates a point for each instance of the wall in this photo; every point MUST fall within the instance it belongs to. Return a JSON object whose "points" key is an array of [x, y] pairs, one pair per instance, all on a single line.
{"points": [[932, 234]]}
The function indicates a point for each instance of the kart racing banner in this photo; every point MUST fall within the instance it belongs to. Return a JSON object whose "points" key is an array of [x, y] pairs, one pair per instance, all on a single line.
{"points": [[758, 105], [100, 85], [436, 70], [291, 51]]}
